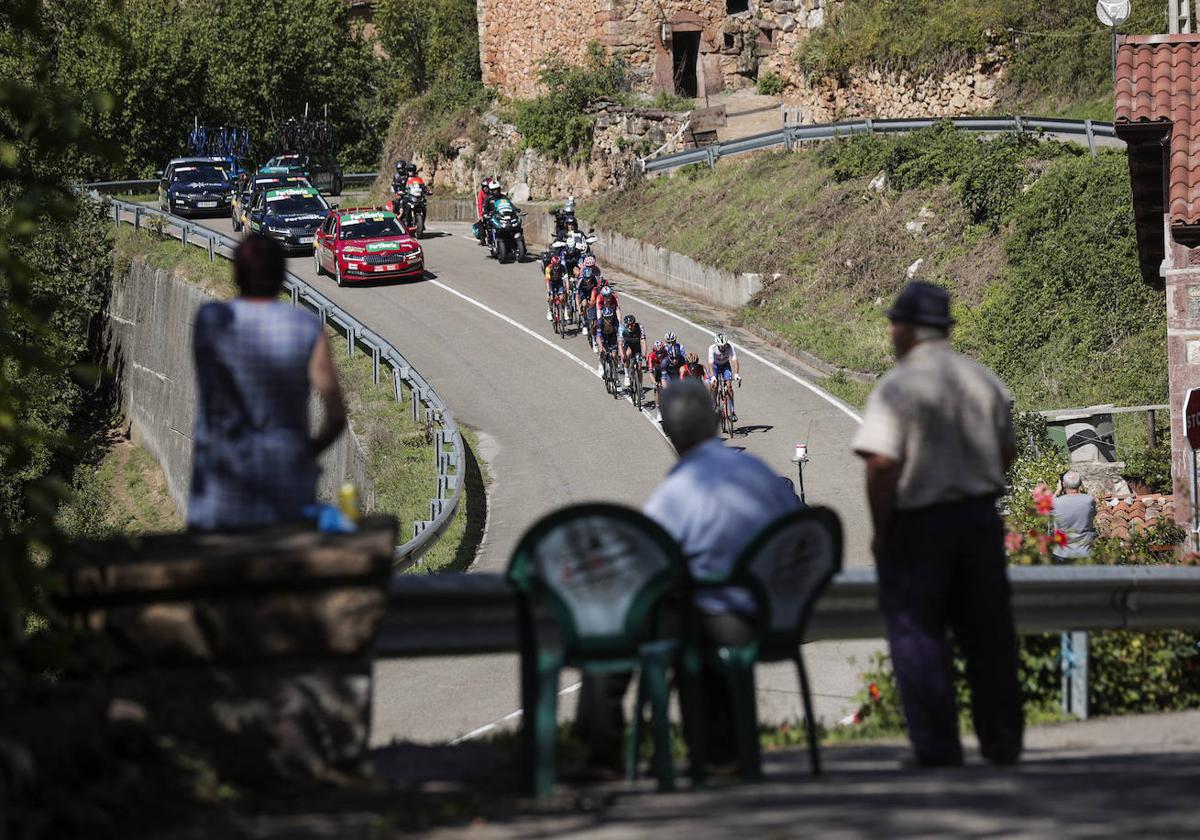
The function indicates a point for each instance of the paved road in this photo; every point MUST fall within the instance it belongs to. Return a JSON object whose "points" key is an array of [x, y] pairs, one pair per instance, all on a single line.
{"points": [[550, 436]]}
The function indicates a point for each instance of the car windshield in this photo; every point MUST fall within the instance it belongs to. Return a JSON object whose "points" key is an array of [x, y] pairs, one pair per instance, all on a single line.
{"points": [[285, 160], [368, 227], [202, 174], [287, 205]]}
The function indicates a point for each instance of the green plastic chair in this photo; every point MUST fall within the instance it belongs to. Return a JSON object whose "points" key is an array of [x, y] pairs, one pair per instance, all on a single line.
{"points": [[786, 567], [603, 571]]}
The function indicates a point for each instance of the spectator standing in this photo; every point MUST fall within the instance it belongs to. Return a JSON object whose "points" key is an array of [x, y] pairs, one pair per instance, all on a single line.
{"points": [[253, 460], [1075, 514], [713, 502], [937, 439]]}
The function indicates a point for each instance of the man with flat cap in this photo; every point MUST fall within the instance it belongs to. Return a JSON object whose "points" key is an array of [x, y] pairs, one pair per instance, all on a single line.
{"points": [[937, 439]]}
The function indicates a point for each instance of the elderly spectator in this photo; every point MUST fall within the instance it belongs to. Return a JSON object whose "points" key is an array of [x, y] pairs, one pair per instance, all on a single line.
{"points": [[1075, 515], [253, 460], [937, 439], [713, 502]]}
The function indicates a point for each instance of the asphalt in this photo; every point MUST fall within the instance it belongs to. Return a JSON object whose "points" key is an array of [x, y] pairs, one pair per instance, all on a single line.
{"points": [[550, 436]]}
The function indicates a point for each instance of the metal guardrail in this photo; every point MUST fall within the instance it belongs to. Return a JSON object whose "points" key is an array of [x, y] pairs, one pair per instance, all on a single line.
{"points": [[149, 184], [1087, 130], [426, 404], [445, 615]]}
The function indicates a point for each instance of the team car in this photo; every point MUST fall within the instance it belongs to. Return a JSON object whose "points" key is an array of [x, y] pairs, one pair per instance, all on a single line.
{"points": [[366, 243], [194, 186], [248, 185], [289, 215], [321, 170]]}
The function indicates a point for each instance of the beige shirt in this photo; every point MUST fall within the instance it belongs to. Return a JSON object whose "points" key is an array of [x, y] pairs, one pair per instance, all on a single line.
{"points": [[946, 419]]}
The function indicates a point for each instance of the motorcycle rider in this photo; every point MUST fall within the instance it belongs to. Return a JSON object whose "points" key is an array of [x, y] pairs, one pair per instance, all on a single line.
{"points": [[574, 246], [563, 216], [400, 176], [555, 277], [414, 178], [633, 345], [485, 188]]}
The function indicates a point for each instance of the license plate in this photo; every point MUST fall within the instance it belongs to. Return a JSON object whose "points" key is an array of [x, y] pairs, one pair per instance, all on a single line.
{"points": [[306, 240], [386, 268], [206, 204]]}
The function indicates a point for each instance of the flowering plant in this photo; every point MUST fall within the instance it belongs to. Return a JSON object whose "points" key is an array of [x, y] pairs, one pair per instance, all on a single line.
{"points": [[1032, 535]]}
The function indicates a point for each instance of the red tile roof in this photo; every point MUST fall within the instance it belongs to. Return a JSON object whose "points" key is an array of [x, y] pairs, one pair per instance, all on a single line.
{"points": [[1122, 518], [1158, 103]]}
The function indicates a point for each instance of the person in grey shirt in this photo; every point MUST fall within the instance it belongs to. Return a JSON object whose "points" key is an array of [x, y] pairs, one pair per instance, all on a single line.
{"points": [[714, 502], [1075, 514]]}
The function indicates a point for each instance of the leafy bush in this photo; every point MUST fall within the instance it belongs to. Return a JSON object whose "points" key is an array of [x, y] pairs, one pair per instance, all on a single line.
{"points": [[769, 84], [1151, 467], [557, 122]]}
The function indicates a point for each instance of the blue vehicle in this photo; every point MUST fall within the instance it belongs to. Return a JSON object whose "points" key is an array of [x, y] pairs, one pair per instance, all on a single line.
{"points": [[195, 186]]}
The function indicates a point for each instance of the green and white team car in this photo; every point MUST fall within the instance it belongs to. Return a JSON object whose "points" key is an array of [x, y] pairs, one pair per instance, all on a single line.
{"points": [[289, 215]]}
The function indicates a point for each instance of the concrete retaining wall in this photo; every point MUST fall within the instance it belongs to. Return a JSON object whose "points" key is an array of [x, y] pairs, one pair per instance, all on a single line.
{"points": [[150, 318], [631, 256]]}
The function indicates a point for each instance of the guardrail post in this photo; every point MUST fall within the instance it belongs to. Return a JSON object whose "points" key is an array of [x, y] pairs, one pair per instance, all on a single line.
{"points": [[416, 405], [870, 126], [212, 249], [712, 157], [137, 218], [375, 365], [183, 235], [295, 295], [1019, 124], [350, 342], [398, 386], [1091, 137], [1075, 674], [116, 214]]}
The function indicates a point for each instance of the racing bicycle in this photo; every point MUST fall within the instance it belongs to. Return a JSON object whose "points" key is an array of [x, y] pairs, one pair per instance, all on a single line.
{"points": [[572, 304], [725, 404], [608, 358], [558, 316], [635, 381]]}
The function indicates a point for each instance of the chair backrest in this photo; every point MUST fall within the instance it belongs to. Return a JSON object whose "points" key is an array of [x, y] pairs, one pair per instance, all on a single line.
{"points": [[602, 569], [787, 566]]}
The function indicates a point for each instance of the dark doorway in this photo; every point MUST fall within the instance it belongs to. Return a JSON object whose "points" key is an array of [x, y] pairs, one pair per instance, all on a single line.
{"points": [[685, 51]]}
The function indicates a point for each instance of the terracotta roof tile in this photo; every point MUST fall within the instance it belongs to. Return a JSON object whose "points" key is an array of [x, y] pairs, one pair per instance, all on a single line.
{"points": [[1158, 83], [1120, 517]]}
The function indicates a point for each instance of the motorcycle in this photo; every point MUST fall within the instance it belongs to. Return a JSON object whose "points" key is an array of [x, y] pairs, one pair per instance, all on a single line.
{"points": [[506, 232], [572, 249], [409, 206]]}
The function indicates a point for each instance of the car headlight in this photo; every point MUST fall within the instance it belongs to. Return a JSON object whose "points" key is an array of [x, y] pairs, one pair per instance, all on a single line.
{"points": [[280, 230]]}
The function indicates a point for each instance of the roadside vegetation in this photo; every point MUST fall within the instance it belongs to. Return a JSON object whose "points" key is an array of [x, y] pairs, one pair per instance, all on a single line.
{"points": [[1057, 54]]}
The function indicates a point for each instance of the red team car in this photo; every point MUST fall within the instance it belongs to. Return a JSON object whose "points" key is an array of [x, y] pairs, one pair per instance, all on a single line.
{"points": [[365, 243]]}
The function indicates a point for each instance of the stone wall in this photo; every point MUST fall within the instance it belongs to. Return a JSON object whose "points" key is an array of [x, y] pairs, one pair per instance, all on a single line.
{"points": [[514, 35], [150, 319], [621, 135]]}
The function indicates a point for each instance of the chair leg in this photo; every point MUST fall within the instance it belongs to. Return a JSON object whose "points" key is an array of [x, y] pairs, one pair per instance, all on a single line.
{"points": [[745, 713], [691, 706], [546, 723], [635, 732], [655, 675], [810, 722]]}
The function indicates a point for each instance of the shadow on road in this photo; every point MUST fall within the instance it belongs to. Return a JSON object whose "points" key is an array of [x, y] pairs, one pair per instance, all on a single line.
{"points": [[475, 497]]}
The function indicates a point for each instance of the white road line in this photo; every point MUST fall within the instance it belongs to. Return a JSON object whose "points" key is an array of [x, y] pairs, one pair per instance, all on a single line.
{"points": [[488, 727], [829, 398], [556, 347]]}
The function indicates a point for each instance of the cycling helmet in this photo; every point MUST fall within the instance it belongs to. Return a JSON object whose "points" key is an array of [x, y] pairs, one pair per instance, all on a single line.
{"points": [[589, 261], [606, 291], [589, 273], [693, 359], [607, 312], [555, 260], [722, 340], [402, 166], [629, 321], [658, 346], [669, 338]]}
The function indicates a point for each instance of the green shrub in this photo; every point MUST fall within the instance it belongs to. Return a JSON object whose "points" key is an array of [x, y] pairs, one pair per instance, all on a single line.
{"points": [[557, 122], [769, 84], [1151, 467]]}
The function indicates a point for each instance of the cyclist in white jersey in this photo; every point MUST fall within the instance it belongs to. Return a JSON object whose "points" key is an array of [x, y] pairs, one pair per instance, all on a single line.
{"points": [[723, 366]]}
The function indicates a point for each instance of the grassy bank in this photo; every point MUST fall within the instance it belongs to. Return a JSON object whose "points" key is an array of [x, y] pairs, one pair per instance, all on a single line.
{"points": [[1034, 239], [399, 450], [125, 493]]}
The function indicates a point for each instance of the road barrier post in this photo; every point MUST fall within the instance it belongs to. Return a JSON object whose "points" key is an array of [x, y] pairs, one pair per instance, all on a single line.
{"points": [[375, 365], [1075, 674], [212, 249], [137, 218], [183, 235], [1091, 137]]}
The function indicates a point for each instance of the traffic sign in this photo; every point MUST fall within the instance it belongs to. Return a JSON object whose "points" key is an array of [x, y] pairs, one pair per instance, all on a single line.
{"points": [[1191, 417]]}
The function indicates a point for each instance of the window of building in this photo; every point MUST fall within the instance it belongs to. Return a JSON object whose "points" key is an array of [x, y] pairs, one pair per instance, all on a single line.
{"points": [[733, 7]]}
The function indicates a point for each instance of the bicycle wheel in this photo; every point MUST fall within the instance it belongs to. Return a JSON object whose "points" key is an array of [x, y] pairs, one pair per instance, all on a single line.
{"points": [[726, 414], [636, 382]]}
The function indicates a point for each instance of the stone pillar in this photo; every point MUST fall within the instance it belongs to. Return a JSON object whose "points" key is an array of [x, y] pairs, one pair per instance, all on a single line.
{"points": [[1181, 270]]}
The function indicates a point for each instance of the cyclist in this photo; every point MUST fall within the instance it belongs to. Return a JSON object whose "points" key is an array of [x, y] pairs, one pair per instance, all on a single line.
{"points": [[673, 360], [608, 332], [574, 245], [588, 264], [603, 296], [723, 362], [653, 362], [555, 275], [633, 346], [588, 281], [669, 341], [693, 369]]}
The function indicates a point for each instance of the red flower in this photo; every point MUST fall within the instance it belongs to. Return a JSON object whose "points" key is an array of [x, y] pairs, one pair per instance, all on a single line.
{"points": [[1060, 539], [1043, 501], [873, 691], [1013, 541], [1043, 544]]}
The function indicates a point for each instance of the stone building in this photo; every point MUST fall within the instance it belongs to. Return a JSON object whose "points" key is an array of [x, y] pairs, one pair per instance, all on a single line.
{"points": [[687, 47]]}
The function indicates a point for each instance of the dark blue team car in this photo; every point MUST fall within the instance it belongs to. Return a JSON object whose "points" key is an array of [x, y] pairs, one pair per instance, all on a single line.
{"points": [[196, 186]]}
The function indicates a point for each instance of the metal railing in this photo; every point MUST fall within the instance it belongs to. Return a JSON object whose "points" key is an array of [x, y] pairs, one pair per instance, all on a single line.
{"points": [[1083, 130], [426, 404], [138, 185]]}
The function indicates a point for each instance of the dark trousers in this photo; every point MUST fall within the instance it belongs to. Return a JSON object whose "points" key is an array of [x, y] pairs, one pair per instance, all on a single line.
{"points": [[600, 717], [944, 567]]}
